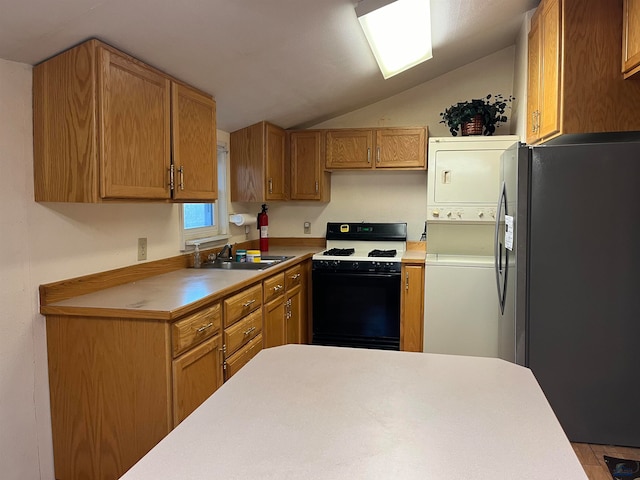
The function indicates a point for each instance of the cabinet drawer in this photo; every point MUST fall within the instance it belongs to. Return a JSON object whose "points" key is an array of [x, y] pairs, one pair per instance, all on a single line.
{"points": [[273, 287], [243, 331], [241, 304], [239, 359], [195, 328], [293, 277]]}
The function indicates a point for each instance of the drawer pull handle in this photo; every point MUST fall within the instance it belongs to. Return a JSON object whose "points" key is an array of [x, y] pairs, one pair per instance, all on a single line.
{"points": [[296, 276], [248, 332], [250, 302], [277, 288], [205, 327]]}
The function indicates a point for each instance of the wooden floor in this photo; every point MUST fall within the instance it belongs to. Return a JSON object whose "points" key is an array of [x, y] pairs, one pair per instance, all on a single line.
{"points": [[591, 458]]}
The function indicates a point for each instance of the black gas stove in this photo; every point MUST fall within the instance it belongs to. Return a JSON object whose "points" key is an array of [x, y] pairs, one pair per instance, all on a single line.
{"points": [[356, 285]]}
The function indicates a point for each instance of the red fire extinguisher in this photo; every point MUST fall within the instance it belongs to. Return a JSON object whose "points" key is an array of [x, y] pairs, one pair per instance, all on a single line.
{"points": [[263, 226]]}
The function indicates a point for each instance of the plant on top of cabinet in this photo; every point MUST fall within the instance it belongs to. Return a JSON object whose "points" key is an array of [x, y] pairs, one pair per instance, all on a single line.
{"points": [[479, 116], [258, 164], [103, 130], [380, 148]]}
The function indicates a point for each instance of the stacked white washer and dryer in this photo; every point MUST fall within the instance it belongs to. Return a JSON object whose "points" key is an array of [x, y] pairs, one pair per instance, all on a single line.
{"points": [[461, 299]]}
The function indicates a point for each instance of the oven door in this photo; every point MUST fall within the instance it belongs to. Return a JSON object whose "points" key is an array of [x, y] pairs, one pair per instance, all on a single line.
{"points": [[356, 309]]}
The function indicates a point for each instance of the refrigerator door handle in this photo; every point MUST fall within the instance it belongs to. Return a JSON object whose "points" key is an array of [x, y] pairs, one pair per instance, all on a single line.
{"points": [[497, 247]]}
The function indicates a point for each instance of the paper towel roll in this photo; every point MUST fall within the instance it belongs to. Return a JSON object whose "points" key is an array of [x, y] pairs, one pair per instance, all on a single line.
{"points": [[240, 219]]}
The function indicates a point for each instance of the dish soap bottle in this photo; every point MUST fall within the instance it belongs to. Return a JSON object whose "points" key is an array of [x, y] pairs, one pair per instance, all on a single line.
{"points": [[197, 262]]}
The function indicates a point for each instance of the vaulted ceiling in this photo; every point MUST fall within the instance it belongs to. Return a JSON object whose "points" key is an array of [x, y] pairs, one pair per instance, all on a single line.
{"points": [[292, 62]]}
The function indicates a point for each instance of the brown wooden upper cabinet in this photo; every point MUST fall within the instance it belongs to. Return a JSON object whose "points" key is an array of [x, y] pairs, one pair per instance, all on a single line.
{"points": [[574, 83], [104, 130], [544, 72], [259, 164], [631, 38], [382, 148], [309, 179]]}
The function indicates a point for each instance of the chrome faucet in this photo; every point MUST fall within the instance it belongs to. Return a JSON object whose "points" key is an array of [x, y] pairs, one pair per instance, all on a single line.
{"points": [[227, 248]]}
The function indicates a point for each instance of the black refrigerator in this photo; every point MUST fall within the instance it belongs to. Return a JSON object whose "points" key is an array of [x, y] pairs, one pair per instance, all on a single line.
{"points": [[568, 278]]}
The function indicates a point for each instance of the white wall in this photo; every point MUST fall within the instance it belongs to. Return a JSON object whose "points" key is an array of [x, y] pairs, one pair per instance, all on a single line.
{"points": [[43, 243], [396, 196], [519, 125]]}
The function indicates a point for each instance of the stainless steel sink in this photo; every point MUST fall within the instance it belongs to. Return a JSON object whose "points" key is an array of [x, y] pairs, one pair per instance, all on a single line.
{"points": [[267, 261], [237, 265], [275, 258]]}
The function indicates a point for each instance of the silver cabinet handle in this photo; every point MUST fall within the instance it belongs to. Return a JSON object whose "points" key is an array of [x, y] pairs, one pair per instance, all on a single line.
{"points": [[181, 171], [277, 288], [249, 331], [317, 186], [250, 302], [204, 327], [171, 177], [368, 155], [378, 155], [295, 277], [270, 185], [406, 282]]}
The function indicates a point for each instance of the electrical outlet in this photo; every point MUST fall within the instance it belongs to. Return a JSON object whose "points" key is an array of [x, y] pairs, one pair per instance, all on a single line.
{"points": [[307, 228], [142, 249]]}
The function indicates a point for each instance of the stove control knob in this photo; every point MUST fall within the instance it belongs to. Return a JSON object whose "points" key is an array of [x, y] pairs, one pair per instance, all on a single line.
{"points": [[435, 213], [335, 263], [354, 265]]}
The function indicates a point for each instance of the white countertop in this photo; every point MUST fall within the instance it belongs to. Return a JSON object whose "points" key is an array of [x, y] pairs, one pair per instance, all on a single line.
{"points": [[313, 412]]}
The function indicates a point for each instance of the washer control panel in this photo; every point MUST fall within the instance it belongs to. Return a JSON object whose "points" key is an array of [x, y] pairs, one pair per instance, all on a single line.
{"points": [[463, 214]]}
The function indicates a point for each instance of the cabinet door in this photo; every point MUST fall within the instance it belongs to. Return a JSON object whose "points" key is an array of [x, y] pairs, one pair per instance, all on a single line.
{"points": [[412, 308], [349, 148], [196, 375], [134, 108], [273, 331], [293, 315], [631, 38], [401, 148], [533, 86], [194, 145], [549, 120], [277, 173], [307, 165]]}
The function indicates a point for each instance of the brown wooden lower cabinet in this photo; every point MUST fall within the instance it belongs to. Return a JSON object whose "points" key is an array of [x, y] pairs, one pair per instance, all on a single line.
{"points": [[286, 312], [120, 385], [412, 308], [111, 393]]}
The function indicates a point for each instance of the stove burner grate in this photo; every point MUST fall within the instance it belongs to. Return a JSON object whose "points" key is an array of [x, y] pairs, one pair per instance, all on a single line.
{"points": [[382, 253], [340, 252]]}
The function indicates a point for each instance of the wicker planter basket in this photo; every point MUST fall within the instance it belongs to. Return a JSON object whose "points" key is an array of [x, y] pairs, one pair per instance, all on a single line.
{"points": [[474, 127]]}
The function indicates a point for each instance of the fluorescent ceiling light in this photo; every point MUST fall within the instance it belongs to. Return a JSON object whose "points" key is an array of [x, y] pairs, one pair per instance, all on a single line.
{"points": [[398, 31]]}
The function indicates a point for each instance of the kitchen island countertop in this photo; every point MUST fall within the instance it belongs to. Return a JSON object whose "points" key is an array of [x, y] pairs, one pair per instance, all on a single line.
{"points": [[314, 412]]}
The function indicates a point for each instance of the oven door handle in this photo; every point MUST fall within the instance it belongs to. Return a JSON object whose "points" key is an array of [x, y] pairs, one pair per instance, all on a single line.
{"points": [[357, 274]]}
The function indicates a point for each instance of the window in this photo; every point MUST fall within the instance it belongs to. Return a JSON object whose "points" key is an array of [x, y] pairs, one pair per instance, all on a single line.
{"points": [[204, 222]]}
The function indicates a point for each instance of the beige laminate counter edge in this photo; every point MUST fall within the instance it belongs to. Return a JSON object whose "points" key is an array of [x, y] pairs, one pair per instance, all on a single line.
{"points": [[171, 295], [416, 257], [174, 294]]}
